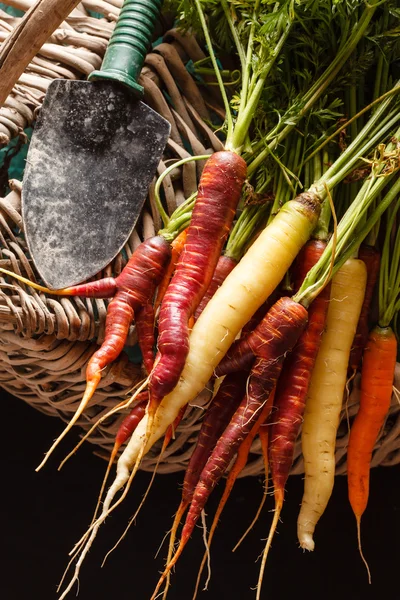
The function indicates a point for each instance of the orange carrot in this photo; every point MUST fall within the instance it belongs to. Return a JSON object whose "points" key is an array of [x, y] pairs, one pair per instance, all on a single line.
{"points": [[176, 249], [379, 361], [144, 319]]}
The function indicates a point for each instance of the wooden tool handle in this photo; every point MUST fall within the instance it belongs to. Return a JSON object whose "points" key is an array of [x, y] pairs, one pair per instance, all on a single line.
{"points": [[37, 25]]}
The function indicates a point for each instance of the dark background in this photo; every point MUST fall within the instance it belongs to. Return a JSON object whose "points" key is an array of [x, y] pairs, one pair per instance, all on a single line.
{"points": [[43, 515]]}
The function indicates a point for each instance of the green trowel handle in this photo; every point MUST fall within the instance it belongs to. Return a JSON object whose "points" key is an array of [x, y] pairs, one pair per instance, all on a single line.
{"points": [[129, 43]]}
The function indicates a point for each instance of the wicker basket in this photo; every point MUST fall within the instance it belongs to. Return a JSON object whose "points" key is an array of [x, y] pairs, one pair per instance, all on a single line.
{"points": [[45, 341]]}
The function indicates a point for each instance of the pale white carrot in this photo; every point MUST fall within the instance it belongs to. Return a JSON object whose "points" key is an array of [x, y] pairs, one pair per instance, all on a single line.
{"points": [[325, 396]]}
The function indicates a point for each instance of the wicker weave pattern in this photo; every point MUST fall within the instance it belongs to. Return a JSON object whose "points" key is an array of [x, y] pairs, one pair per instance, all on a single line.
{"points": [[45, 342]]}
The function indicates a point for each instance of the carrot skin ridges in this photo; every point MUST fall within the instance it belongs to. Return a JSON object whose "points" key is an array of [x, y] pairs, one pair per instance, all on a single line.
{"points": [[377, 374], [286, 321], [259, 315], [239, 357], [136, 286], [144, 271], [216, 418], [218, 195], [144, 320], [101, 288], [242, 352], [176, 249], [118, 320], [224, 266], [292, 387], [371, 257]]}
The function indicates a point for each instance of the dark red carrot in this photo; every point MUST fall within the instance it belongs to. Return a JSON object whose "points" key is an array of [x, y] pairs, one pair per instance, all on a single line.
{"points": [[239, 356], [224, 266], [372, 259], [258, 315], [141, 271], [305, 260], [135, 286], [144, 320], [130, 422], [292, 388], [101, 288], [216, 418], [238, 466], [218, 195], [282, 327]]}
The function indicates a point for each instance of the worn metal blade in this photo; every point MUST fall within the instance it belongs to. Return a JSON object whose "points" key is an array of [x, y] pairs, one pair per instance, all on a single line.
{"points": [[92, 157]]}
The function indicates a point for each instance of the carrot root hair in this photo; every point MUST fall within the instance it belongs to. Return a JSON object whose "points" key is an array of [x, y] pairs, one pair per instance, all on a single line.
{"points": [[134, 516], [177, 519], [358, 519], [275, 521], [264, 436], [170, 565], [89, 391], [108, 508]]}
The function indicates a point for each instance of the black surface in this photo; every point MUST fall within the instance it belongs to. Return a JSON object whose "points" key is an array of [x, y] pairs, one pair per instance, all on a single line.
{"points": [[44, 513], [92, 157]]}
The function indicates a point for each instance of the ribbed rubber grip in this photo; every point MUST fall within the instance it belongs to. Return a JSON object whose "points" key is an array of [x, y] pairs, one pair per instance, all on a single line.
{"points": [[130, 43]]}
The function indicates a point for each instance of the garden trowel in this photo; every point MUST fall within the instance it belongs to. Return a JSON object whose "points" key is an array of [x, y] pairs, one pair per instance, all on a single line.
{"points": [[92, 157]]}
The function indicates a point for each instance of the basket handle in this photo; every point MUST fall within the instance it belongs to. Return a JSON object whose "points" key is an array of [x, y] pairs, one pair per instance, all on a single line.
{"points": [[25, 41]]}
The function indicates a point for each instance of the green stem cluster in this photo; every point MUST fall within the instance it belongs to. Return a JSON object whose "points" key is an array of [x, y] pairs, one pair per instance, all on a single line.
{"points": [[249, 223], [349, 233], [370, 135], [164, 217], [276, 135], [179, 219], [389, 275]]}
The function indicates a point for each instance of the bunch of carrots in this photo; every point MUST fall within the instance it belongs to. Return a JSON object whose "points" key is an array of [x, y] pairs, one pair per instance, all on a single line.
{"points": [[262, 285]]}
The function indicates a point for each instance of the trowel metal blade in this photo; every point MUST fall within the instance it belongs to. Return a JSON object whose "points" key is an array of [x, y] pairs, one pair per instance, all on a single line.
{"points": [[92, 157]]}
